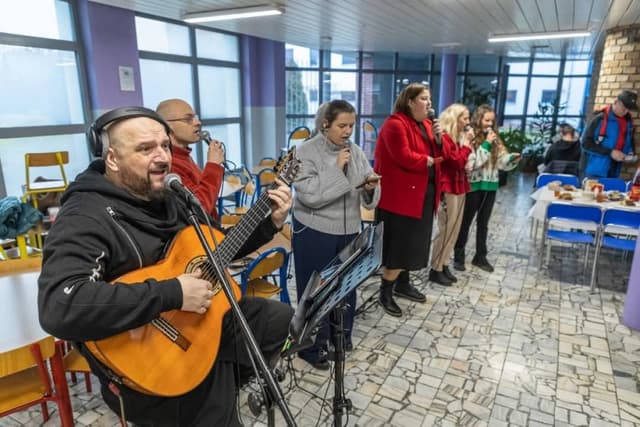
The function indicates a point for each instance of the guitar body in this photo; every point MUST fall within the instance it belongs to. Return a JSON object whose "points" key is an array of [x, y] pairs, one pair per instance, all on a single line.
{"points": [[171, 355]]}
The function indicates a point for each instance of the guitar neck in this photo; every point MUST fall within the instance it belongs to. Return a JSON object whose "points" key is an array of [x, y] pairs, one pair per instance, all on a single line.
{"points": [[239, 234]]}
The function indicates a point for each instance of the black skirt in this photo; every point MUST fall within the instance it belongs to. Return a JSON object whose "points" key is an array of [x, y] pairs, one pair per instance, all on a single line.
{"points": [[406, 241]]}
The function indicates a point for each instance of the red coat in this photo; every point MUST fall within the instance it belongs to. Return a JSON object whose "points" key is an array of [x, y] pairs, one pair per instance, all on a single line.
{"points": [[401, 158], [453, 177], [205, 184]]}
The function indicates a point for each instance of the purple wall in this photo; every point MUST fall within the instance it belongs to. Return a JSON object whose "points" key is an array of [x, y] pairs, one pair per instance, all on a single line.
{"points": [[263, 75], [109, 38]]}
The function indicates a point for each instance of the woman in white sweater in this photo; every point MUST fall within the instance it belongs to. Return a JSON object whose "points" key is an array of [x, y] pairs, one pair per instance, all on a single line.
{"points": [[326, 208]]}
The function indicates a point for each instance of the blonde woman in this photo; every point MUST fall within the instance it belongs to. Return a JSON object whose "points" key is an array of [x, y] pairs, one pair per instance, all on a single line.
{"points": [[457, 143]]}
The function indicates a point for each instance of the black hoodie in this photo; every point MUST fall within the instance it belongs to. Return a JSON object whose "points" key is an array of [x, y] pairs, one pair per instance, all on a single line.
{"points": [[101, 233]]}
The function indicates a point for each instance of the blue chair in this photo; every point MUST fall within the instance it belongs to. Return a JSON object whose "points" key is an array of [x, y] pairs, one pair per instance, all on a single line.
{"points": [[545, 178], [571, 224], [254, 280], [617, 184], [619, 230]]}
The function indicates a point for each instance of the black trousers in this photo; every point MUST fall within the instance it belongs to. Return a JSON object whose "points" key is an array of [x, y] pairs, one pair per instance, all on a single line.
{"points": [[213, 402], [480, 203]]}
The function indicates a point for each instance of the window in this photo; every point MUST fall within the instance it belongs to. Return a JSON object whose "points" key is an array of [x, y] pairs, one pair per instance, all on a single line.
{"points": [[42, 85], [157, 87], [162, 37], [208, 81]]}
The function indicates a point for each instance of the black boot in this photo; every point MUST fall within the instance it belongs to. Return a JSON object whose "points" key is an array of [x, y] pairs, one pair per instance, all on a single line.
{"points": [[482, 263], [386, 299], [439, 277], [449, 274], [405, 289], [458, 260]]}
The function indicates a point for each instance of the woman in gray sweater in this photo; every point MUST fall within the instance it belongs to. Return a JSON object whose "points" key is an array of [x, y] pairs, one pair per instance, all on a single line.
{"points": [[326, 209]]}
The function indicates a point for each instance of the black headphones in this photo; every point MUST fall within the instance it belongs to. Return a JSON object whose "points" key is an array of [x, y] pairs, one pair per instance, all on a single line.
{"points": [[96, 130]]}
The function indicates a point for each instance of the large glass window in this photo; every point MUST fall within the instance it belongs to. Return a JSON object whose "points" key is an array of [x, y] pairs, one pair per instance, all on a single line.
{"points": [[573, 95], [219, 92], [49, 19], [43, 86], [339, 85], [377, 93], [223, 47], [208, 81], [157, 87], [516, 92], [12, 151], [302, 92], [543, 90], [162, 37]]}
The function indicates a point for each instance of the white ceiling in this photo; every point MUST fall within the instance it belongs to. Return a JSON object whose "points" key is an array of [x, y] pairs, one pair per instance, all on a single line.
{"points": [[416, 25]]}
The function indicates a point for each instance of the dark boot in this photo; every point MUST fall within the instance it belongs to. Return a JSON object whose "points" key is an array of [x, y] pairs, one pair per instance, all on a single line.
{"points": [[405, 289], [458, 260], [482, 263], [386, 299], [449, 274], [439, 277]]}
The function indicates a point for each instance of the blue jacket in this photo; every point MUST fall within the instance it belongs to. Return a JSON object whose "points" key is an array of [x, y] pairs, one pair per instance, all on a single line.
{"points": [[597, 149]]}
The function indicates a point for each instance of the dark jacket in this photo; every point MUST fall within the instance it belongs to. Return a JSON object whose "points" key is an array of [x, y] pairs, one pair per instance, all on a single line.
{"points": [[563, 150], [101, 233]]}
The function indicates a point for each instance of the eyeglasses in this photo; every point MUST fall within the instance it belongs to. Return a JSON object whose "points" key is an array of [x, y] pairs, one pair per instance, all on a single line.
{"points": [[190, 118]]}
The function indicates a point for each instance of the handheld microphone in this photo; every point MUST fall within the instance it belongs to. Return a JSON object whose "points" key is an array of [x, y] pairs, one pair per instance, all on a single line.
{"points": [[347, 145], [431, 115], [174, 183], [206, 136]]}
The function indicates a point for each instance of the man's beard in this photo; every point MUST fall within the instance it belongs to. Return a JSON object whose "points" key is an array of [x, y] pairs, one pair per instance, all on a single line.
{"points": [[141, 186]]}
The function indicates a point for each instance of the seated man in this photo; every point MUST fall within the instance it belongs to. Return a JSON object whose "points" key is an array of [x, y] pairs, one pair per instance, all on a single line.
{"points": [[185, 131], [563, 155], [116, 218]]}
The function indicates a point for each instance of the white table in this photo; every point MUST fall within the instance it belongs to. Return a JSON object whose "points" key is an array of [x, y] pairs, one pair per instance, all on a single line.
{"points": [[19, 324], [544, 197]]}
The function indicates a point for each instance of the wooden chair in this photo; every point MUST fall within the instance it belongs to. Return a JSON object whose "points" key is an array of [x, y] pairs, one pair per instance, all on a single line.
{"points": [[369, 139], [255, 278], [297, 135], [268, 162], [25, 381], [264, 178], [75, 363], [34, 189]]}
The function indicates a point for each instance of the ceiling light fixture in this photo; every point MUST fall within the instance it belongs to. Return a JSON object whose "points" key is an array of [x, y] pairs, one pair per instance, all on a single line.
{"points": [[234, 13], [538, 36], [447, 44]]}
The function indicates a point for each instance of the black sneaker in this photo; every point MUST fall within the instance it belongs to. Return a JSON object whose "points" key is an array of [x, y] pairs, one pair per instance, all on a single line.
{"points": [[459, 265], [408, 291], [482, 264], [449, 274], [439, 277]]}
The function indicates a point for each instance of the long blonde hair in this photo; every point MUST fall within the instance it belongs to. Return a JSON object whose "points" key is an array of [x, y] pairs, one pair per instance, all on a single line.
{"points": [[449, 120]]}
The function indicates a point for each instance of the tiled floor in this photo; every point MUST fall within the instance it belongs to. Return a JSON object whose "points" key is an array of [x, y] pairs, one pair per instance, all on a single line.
{"points": [[507, 348]]}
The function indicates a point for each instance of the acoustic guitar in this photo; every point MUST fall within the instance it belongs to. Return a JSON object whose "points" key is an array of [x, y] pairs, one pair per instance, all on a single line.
{"points": [[173, 353]]}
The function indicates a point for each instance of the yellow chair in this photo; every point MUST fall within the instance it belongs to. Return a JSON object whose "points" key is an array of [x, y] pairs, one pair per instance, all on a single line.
{"points": [[75, 363], [370, 136], [268, 162], [36, 189], [255, 278], [297, 135], [264, 178], [25, 381]]}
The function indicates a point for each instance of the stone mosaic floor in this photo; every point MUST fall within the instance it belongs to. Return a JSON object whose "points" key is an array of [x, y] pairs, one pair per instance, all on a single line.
{"points": [[516, 347]]}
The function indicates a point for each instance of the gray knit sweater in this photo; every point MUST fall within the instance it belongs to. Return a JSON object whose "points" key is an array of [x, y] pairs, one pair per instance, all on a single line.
{"points": [[321, 186]]}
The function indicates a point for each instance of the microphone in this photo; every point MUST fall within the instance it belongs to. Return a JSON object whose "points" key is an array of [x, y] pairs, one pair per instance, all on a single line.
{"points": [[431, 115], [347, 145], [206, 136], [174, 183]]}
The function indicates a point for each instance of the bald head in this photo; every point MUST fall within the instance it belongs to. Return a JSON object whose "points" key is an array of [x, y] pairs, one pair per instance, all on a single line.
{"points": [[183, 121]]}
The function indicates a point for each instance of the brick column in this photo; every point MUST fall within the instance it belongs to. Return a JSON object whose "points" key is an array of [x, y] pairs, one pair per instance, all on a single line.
{"points": [[619, 70]]}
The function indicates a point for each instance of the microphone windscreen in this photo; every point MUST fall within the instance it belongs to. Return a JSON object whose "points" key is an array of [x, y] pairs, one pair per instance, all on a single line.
{"points": [[431, 114], [170, 179], [206, 136]]}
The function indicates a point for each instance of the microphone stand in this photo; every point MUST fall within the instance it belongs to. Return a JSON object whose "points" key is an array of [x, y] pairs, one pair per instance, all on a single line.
{"points": [[274, 390]]}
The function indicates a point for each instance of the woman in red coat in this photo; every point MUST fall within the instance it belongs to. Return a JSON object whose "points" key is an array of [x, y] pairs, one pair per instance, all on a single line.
{"points": [[407, 156]]}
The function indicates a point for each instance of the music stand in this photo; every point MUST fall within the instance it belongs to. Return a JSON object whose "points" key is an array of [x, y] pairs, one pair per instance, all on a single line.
{"points": [[325, 293]]}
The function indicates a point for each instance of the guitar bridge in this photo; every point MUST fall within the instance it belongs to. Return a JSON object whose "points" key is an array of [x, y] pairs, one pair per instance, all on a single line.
{"points": [[172, 333]]}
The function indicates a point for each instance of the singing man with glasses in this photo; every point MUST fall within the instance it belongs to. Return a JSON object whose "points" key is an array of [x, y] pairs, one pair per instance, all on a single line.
{"points": [[186, 130]]}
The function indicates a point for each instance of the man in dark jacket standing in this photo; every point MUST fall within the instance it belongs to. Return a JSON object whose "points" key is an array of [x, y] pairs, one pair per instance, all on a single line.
{"points": [[117, 217], [608, 139]]}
